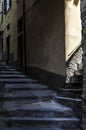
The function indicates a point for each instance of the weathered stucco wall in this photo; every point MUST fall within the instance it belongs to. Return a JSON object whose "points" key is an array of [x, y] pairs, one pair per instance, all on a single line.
{"points": [[72, 26], [45, 36], [11, 19]]}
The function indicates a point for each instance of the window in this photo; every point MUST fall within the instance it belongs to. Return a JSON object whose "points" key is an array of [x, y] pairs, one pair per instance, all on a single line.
{"points": [[7, 5]]}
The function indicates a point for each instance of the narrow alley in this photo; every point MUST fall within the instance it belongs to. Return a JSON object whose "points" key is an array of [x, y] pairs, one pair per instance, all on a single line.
{"points": [[42, 65]]}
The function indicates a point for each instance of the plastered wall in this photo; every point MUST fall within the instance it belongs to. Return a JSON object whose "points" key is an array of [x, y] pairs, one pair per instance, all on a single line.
{"points": [[10, 18], [72, 25], [45, 36]]}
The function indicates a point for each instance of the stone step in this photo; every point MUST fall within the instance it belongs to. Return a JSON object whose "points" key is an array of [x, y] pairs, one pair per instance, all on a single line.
{"points": [[2, 84], [7, 69], [16, 80], [71, 94], [12, 76], [39, 128], [31, 94], [9, 72], [4, 66], [64, 123], [77, 77], [30, 86], [35, 113], [75, 104], [70, 90], [68, 99], [74, 85], [35, 109]]}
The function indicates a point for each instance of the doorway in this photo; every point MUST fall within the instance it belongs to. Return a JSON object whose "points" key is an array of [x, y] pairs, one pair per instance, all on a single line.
{"points": [[20, 51], [8, 49]]}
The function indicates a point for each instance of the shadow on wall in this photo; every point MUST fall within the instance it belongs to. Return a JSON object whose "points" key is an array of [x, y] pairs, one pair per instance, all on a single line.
{"points": [[54, 81]]}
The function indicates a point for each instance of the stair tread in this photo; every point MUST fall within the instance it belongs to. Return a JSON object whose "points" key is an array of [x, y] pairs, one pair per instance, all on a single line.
{"points": [[70, 95], [23, 86], [70, 90], [10, 72], [37, 105], [38, 128], [75, 82], [17, 80], [67, 98], [30, 93], [43, 119], [12, 75], [8, 69], [37, 122]]}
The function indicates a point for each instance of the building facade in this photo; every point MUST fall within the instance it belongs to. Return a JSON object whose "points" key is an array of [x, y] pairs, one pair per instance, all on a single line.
{"points": [[36, 36]]}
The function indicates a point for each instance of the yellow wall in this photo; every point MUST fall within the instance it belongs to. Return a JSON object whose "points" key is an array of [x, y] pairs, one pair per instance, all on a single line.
{"points": [[10, 18], [72, 25]]}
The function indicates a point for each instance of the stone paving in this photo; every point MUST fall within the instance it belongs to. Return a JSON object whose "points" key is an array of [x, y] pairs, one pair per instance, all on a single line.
{"points": [[25, 104]]}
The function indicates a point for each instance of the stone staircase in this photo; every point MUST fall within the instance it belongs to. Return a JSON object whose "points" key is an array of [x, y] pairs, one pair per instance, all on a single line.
{"points": [[25, 104], [73, 92]]}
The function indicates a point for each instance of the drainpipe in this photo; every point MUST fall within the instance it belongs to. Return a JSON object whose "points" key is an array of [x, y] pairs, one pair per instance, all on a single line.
{"points": [[24, 36]]}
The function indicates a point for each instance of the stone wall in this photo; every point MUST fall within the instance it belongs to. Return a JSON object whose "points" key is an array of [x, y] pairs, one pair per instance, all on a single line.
{"points": [[83, 16], [73, 64]]}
